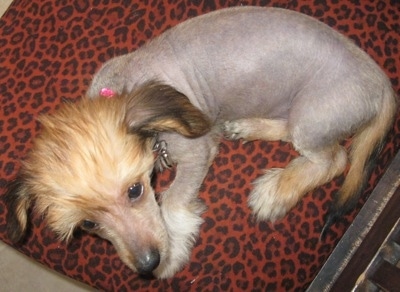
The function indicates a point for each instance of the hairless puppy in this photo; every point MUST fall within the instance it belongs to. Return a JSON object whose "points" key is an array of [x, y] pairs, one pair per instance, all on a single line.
{"points": [[246, 73]]}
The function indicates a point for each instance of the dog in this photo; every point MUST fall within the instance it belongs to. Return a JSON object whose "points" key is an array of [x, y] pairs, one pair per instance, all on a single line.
{"points": [[241, 73]]}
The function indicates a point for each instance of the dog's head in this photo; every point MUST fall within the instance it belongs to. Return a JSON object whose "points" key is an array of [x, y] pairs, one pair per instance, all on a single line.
{"points": [[91, 167]]}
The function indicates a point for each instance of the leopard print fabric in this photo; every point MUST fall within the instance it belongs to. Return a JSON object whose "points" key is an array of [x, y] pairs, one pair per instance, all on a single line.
{"points": [[49, 50]]}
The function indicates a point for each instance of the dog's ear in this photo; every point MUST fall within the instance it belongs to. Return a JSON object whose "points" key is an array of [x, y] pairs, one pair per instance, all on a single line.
{"points": [[18, 201], [156, 107]]}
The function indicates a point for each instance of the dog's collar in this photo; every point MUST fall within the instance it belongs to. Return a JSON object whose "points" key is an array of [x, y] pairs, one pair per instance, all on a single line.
{"points": [[160, 149]]}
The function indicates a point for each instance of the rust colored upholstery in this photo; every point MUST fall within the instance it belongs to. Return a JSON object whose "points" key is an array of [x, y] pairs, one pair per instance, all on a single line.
{"points": [[49, 50]]}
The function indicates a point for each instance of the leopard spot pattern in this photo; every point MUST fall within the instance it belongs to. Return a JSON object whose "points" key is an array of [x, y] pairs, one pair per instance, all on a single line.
{"points": [[49, 51]]}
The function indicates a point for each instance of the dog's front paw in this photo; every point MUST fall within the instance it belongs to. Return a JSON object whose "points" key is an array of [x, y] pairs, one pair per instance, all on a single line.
{"points": [[267, 200], [234, 130], [183, 229]]}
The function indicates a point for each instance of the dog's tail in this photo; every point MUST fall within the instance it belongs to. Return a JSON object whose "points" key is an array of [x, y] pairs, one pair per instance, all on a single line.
{"points": [[366, 145]]}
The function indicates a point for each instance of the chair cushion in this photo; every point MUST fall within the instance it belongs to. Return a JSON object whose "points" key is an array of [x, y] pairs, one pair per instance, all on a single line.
{"points": [[49, 51]]}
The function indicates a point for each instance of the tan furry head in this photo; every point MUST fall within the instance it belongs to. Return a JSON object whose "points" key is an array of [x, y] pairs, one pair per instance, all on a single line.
{"points": [[91, 168]]}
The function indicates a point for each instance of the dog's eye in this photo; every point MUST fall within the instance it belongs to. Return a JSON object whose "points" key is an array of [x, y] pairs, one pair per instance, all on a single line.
{"points": [[135, 191], [89, 225]]}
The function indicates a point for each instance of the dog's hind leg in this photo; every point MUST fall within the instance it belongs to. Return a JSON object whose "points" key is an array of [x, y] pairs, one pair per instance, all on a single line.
{"points": [[278, 190], [256, 129]]}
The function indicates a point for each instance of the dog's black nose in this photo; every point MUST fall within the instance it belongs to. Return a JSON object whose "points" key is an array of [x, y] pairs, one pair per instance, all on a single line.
{"points": [[148, 262]]}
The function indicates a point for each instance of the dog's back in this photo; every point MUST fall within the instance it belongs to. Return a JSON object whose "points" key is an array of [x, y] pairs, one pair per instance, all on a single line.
{"points": [[276, 55]]}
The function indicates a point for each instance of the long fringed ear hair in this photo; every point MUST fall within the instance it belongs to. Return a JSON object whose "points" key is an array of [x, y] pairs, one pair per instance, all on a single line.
{"points": [[18, 202], [155, 107]]}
